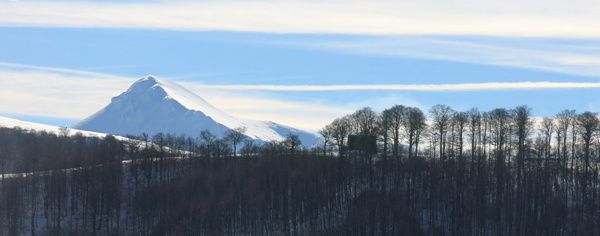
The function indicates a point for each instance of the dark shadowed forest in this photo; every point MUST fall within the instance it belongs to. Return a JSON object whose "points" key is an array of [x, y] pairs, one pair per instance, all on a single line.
{"points": [[501, 172]]}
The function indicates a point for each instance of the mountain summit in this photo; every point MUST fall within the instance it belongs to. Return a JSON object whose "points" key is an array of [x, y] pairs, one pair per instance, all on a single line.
{"points": [[153, 105]]}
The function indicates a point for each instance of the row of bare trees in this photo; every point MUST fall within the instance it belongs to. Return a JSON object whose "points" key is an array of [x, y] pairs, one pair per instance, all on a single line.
{"points": [[392, 127], [501, 134]]}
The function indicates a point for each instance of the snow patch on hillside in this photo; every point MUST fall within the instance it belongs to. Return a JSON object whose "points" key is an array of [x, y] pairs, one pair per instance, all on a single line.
{"points": [[13, 123]]}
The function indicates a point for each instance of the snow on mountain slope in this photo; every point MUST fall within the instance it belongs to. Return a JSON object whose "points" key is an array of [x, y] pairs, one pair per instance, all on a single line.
{"points": [[154, 105], [13, 123]]}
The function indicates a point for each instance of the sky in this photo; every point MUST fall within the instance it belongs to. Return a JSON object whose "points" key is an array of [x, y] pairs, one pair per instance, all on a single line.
{"points": [[300, 63]]}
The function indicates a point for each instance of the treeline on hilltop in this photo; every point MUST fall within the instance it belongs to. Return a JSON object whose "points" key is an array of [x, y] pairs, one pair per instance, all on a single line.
{"points": [[440, 172], [24, 151], [505, 135]]}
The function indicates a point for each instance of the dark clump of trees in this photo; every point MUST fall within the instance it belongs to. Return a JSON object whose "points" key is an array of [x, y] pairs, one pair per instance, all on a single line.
{"points": [[501, 172], [27, 151]]}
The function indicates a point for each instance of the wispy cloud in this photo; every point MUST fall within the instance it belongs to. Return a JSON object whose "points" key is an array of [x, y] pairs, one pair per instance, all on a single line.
{"points": [[411, 87], [527, 30], [49, 92], [577, 18], [54, 70], [577, 57]]}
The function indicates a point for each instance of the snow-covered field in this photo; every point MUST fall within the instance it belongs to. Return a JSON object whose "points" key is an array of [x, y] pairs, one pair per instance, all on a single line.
{"points": [[14, 123]]}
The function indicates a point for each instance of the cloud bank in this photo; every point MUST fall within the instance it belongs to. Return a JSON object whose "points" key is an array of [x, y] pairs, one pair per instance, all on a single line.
{"points": [[573, 56], [552, 18], [536, 26]]}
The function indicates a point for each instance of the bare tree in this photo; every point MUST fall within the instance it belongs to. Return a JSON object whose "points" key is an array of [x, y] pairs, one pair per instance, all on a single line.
{"points": [[588, 125], [340, 128], [485, 120], [292, 143], [474, 130], [365, 121], [522, 121], [64, 131], [460, 120], [208, 139], [547, 129], [500, 121], [565, 119], [397, 114], [327, 136], [573, 137], [249, 148], [160, 140], [236, 136], [441, 115], [386, 124], [414, 126], [421, 131]]}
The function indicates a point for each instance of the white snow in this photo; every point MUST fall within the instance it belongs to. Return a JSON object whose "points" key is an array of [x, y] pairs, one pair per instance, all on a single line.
{"points": [[255, 129], [154, 105], [13, 123]]}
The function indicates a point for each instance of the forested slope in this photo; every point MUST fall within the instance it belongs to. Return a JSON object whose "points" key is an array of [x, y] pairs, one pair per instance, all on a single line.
{"points": [[276, 190]]}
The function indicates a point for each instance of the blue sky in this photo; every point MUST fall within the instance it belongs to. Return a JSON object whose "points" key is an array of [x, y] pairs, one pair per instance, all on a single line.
{"points": [[59, 69]]}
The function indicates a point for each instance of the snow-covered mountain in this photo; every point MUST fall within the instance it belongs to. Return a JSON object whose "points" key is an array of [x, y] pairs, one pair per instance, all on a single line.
{"points": [[154, 105]]}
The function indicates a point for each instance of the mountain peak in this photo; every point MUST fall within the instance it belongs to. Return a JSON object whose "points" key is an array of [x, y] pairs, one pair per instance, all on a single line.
{"points": [[151, 79], [146, 82], [153, 105], [165, 89]]}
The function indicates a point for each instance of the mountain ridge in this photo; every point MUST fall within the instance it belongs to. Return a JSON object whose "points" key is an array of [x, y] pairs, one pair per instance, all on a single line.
{"points": [[152, 105]]}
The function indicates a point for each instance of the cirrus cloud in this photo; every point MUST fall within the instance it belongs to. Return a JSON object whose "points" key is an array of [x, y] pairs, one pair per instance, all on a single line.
{"points": [[553, 18]]}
